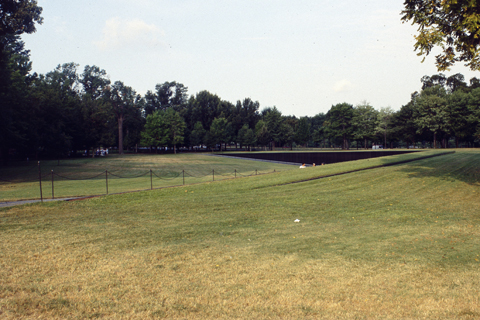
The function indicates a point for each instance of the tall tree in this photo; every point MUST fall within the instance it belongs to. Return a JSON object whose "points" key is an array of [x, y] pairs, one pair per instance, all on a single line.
{"points": [[175, 126], [154, 130], [16, 18], [302, 134], [273, 119], [96, 112], [404, 122], [262, 134], [474, 113], [458, 115], [122, 98], [219, 131], [197, 136], [452, 25], [431, 114], [340, 119], [17, 118], [365, 121], [385, 118]]}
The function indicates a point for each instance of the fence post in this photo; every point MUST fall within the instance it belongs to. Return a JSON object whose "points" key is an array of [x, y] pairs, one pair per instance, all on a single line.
{"points": [[151, 180], [106, 179], [213, 172], [40, 179], [256, 172], [235, 173], [183, 173], [53, 189]]}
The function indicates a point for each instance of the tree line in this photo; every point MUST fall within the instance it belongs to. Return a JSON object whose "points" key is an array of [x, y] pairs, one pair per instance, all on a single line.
{"points": [[69, 109], [66, 110]]}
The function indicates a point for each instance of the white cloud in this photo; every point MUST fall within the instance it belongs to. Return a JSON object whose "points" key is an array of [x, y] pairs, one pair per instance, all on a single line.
{"points": [[119, 33], [342, 86]]}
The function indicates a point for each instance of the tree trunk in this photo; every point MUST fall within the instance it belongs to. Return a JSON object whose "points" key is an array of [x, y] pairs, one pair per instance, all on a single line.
{"points": [[120, 134]]}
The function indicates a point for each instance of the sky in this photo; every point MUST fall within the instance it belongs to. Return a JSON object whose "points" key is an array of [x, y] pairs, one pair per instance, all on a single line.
{"points": [[301, 56]]}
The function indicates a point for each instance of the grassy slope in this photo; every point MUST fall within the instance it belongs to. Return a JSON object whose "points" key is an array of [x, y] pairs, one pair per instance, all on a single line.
{"points": [[394, 242], [21, 182]]}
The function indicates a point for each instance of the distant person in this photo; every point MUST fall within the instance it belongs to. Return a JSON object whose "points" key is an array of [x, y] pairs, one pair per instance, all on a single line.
{"points": [[303, 166]]}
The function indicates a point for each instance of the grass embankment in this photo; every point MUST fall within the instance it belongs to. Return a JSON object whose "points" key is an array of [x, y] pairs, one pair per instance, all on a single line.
{"points": [[388, 243], [86, 176]]}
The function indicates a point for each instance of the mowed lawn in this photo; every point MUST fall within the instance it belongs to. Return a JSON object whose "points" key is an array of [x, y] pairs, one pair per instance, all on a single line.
{"points": [[87, 176], [399, 242]]}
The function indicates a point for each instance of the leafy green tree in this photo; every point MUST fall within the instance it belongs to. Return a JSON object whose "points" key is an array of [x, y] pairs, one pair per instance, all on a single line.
{"points": [[94, 82], [16, 18], [57, 105], [164, 128], [317, 128], [456, 82], [174, 128], [431, 113], [262, 134], [197, 136], [171, 95], [219, 132], [474, 112], [133, 123], [340, 123], [154, 130], [249, 138], [241, 135], [452, 25], [365, 121], [385, 117], [96, 112], [273, 119], [17, 118], [302, 134], [246, 136], [204, 107], [122, 99], [244, 112], [404, 122], [458, 116], [435, 80]]}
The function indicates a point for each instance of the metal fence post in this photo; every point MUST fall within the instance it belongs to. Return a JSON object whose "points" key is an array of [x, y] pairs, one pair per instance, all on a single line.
{"points": [[151, 180], [53, 189], [235, 173], [256, 172], [106, 179], [213, 173], [40, 179], [183, 173]]}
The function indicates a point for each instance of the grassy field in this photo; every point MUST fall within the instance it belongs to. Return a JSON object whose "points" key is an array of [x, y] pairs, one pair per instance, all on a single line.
{"points": [[86, 176], [399, 242]]}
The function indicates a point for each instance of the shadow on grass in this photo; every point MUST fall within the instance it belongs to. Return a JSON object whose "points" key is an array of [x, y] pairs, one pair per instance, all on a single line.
{"points": [[461, 166]]}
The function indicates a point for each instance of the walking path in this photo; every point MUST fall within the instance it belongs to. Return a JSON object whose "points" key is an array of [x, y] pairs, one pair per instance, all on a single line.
{"points": [[20, 202]]}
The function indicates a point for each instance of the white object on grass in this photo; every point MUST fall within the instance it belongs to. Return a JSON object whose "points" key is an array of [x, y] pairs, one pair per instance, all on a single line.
{"points": [[296, 220]]}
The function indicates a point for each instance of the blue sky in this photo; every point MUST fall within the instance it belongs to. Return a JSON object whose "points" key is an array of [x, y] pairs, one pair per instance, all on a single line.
{"points": [[301, 56]]}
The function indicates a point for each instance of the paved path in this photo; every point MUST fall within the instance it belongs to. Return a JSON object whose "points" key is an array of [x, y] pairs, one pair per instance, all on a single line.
{"points": [[20, 202]]}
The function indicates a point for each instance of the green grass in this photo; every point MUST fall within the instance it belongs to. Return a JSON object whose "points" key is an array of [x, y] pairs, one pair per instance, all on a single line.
{"points": [[86, 176], [399, 242]]}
